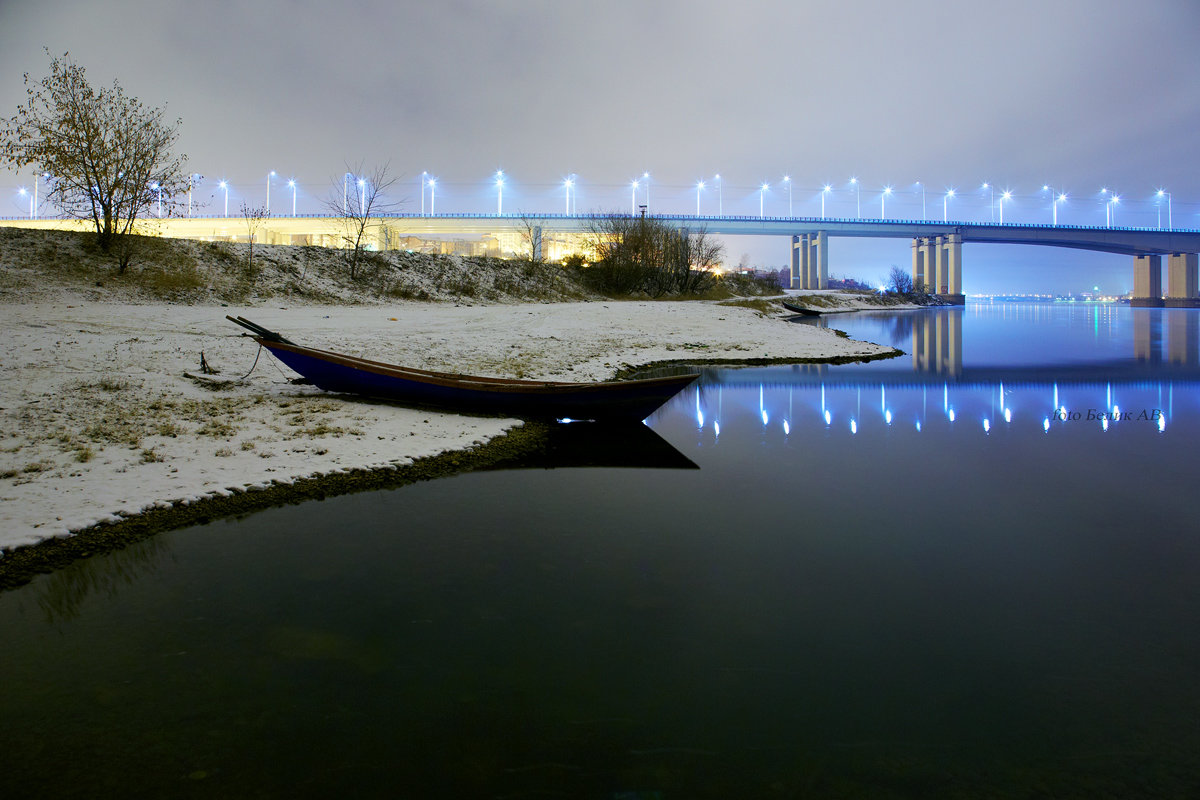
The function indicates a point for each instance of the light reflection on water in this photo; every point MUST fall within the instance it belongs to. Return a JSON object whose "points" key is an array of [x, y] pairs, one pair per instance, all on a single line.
{"points": [[921, 577]]}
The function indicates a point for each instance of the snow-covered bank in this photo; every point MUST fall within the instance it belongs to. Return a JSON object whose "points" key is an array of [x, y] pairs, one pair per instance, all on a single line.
{"points": [[840, 301], [100, 421]]}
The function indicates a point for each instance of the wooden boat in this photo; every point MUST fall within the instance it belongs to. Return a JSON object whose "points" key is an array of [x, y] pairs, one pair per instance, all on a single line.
{"points": [[334, 372], [795, 309]]}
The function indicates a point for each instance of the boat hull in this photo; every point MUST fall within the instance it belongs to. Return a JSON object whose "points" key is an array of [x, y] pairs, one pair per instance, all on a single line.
{"points": [[611, 400]]}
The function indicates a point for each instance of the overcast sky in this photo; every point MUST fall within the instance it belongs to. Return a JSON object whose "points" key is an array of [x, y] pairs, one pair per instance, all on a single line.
{"points": [[1078, 94]]}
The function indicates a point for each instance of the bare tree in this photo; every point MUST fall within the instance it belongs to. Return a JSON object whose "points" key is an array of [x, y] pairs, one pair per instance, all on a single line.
{"points": [[254, 217], [646, 254], [359, 199], [531, 235], [108, 157], [899, 281]]}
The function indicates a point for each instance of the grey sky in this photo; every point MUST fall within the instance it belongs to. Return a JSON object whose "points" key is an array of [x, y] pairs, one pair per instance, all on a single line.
{"points": [[1078, 94]]}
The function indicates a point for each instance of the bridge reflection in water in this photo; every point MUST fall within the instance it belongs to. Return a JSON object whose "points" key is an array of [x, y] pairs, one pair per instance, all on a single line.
{"points": [[1147, 390]]}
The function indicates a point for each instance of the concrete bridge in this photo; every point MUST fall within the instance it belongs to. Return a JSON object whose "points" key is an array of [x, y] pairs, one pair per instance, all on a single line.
{"points": [[937, 260]]}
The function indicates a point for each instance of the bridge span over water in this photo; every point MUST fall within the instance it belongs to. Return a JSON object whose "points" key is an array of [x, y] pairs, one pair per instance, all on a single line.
{"points": [[936, 246]]}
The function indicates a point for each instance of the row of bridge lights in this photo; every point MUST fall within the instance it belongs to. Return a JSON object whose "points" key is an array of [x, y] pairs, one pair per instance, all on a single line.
{"points": [[1111, 199]]}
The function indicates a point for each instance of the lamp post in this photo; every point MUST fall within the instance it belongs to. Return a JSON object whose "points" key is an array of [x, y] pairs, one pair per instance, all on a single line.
{"points": [[292, 183], [787, 179], [646, 178], [887, 190], [922, 200], [191, 182], [154, 185], [992, 202], [499, 192], [225, 186], [1062, 198], [1160, 194], [362, 195], [699, 186], [567, 186], [432, 206], [345, 183], [1112, 210], [1107, 208], [424, 178], [761, 191], [22, 192], [857, 198], [1006, 196], [720, 197], [949, 193], [270, 175], [633, 199], [824, 192]]}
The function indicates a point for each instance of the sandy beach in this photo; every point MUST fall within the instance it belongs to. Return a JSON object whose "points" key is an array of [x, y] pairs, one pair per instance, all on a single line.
{"points": [[101, 422]]}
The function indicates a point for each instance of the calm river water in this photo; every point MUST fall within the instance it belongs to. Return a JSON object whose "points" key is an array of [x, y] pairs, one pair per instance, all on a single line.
{"points": [[973, 571]]}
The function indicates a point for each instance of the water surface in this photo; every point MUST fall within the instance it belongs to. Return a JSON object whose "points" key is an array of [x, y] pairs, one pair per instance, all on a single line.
{"points": [[915, 578]]}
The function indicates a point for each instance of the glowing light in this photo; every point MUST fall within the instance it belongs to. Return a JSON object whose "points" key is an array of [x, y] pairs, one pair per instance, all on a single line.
{"points": [[987, 426], [764, 416], [951, 414], [828, 417], [853, 426], [1162, 422], [1046, 424], [717, 428], [1008, 415], [887, 416], [1104, 423], [918, 426], [787, 429]]}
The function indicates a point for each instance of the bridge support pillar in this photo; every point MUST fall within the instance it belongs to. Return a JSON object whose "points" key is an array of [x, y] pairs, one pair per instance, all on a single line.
{"points": [[940, 284], [820, 265], [810, 261], [1147, 281], [953, 293], [535, 244], [1182, 288], [918, 264]]}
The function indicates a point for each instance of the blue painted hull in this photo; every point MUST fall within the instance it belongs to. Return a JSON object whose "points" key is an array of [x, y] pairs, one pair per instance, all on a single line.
{"points": [[611, 400]]}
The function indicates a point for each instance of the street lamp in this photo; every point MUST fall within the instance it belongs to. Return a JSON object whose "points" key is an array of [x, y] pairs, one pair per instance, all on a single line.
{"points": [[633, 199], [1062, 198], [1112, 212], [1006, 196], [225, 186], [362, 196], [992, 203], [292, 183], [887, 190], [720, 197], [345, 183], [1160, 194], [270, 175], [191, 182], [567, 184], [646, 178], [499, 192], [432, 186], [699, 186], [922, 200], [154, 185], [424, 178], [22, 192], [788, 181], [46, 175], [857, 197], [762, 189], [824, 192], [945, 197]]}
